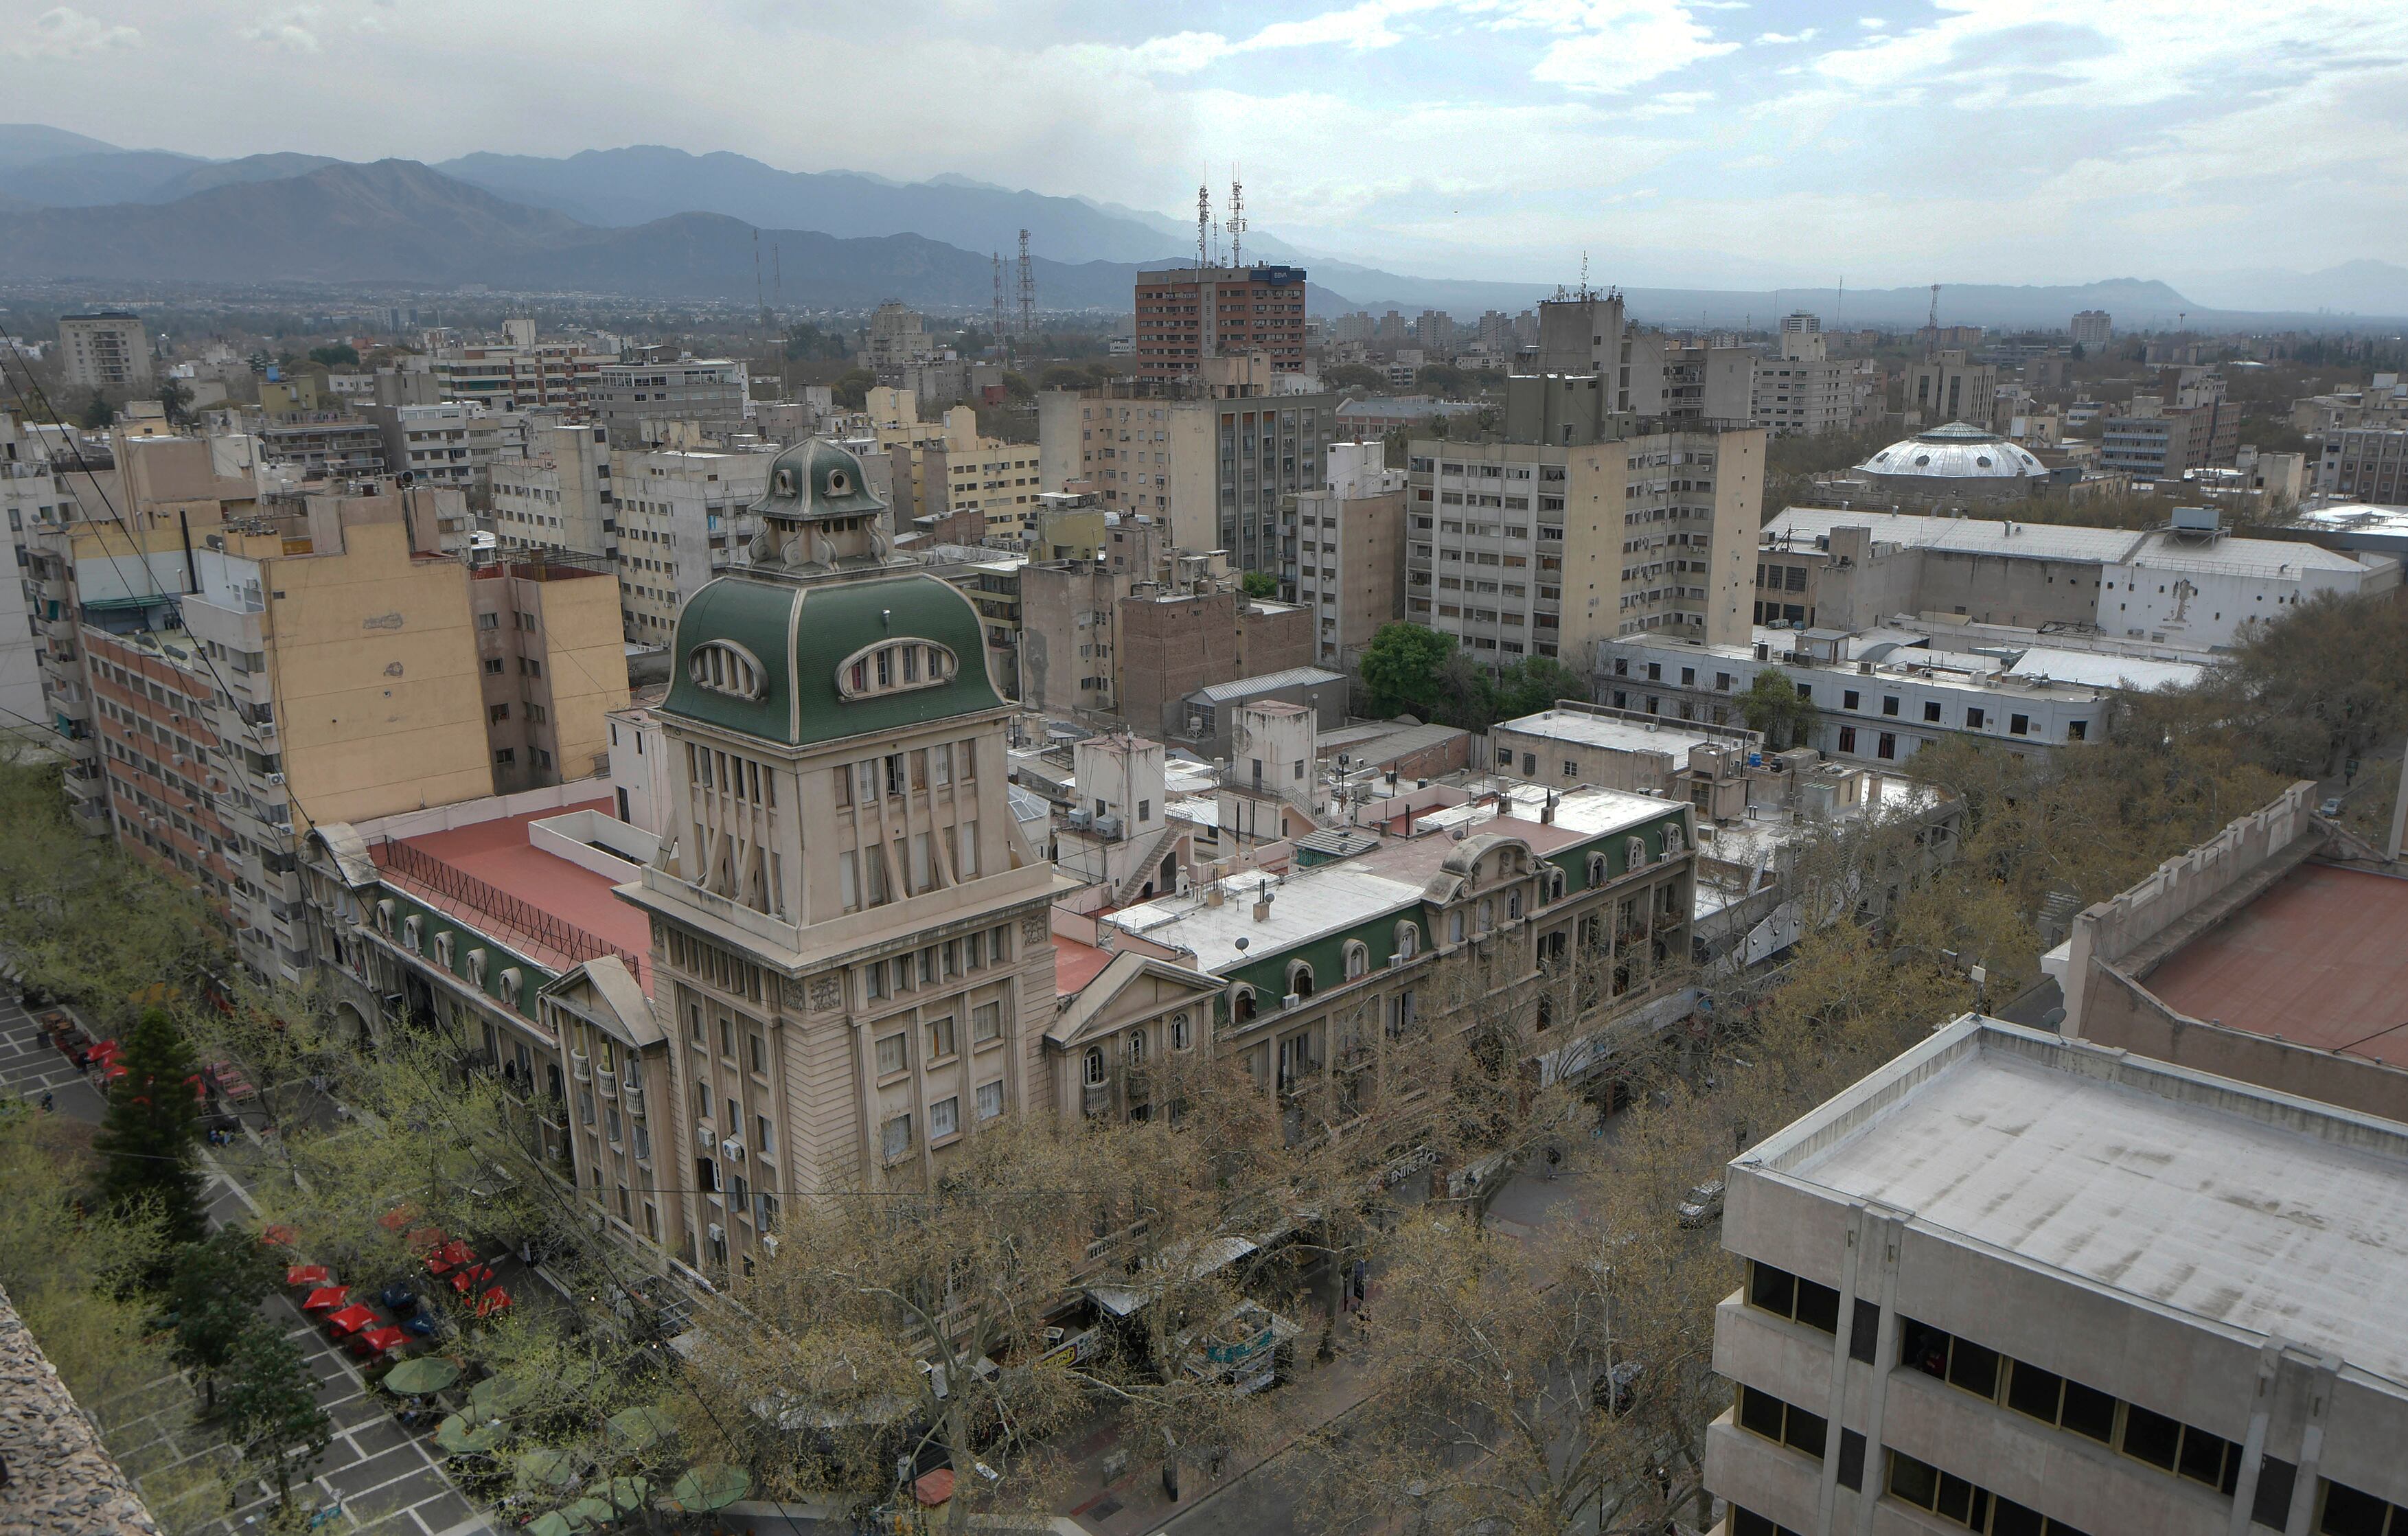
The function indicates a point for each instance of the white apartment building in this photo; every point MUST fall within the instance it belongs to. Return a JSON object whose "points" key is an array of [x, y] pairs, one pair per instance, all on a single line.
{"points": [[109, 350], [2093, 329], [33, 497], [641, 403], [520, 371], [1803, 390], [683, 519], [450, 444], [559, 496], [2029, 1286], [1350, 551]]}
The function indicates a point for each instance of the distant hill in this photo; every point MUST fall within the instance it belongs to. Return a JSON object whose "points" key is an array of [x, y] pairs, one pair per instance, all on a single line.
{"points": [[23, 142], [646, 181], [95, 180]]}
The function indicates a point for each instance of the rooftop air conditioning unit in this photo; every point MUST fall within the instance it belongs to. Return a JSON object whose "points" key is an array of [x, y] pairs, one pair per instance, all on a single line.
{"points": [[1292, 1000], [276, 777], [718, 1233], [706, 1139], [732, 1149]]}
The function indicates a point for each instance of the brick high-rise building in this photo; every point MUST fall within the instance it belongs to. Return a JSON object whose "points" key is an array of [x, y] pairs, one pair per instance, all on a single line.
{"points": [[1186, 314]]}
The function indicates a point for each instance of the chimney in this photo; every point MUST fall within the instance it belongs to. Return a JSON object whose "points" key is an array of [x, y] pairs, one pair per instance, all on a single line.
{"points": [[1263, 903], [1213, 894], [1547, 812]]}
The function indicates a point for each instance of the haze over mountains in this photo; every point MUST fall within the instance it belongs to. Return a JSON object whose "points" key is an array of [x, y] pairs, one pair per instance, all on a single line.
{"points": [[653, 222]]}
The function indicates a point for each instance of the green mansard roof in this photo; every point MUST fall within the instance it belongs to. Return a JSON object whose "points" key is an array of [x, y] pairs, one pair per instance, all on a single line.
{"points": [[801, 637]]}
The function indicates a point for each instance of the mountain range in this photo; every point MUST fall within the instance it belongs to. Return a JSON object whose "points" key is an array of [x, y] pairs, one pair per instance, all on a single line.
{"points": [[651, 221]]}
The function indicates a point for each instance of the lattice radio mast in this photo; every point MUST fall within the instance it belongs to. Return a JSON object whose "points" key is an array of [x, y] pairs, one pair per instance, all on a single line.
{"points": [[1236, 225], [1027, 289], [1203, 226], [998, 298]]}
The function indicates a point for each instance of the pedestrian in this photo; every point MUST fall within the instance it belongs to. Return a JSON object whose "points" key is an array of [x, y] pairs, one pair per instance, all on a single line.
{"points": [[1555, 1157], [49, 1101]]}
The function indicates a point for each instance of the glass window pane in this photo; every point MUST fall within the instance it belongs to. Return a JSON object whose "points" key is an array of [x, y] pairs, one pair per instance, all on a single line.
{"points": [[1917, 1482], [1805, 1432], [2153, 1437], [2089, 1412], [2034, 1391], [1819, 1306], [2203, 1455], [1974, 1367], [1759, 1413], [1775, 1290]]}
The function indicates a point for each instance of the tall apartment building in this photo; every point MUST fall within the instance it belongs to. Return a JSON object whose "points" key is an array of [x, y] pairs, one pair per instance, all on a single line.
{"points": [[107, 350], [521, 372], [1350, 564], [1584, 522], [950, 478], [855, 953], [684, 517], [1186, 314], [558, 496], [639, 402], [33, 496], [894, 338], [1946, 388], [1803, 390], [450, 443], [2365, 464], [2093, 329], [2022, 1285], [1217, 467]]}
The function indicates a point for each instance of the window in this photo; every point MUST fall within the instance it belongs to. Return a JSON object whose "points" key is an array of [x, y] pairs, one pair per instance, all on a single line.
{"points": [[1137, 1047], [990, 1100], [944, 1119], [986, 1019], [1762, 1414], [892, 1054], [1847, 738], [760, 1052], [1886, 747], [724, 667], [2077, 730], [1359, 959], [1785, 1295], [1848, 700], [1181, 1036], [894, 1137], [1931, 712], [1091, 1066], [940, 1045], [1890, 704]]}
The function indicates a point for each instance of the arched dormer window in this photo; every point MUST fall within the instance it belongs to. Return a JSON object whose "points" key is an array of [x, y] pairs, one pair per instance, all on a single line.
{"points": [[1300, 979], [412, 929], [724, 667], [1597, 873], [1634, 854], [1137, 1047], [1555, 884], [510, 983], [384, 918], [1409, 938], [1672, 839], [476, 968], [893, 666], [1091, 1069], [1241, 1004], [443, 950], [1359, 959]]}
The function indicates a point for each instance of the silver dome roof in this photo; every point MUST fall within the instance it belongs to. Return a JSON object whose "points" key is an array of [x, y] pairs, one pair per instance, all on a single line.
{"points": [[1956, 451]]}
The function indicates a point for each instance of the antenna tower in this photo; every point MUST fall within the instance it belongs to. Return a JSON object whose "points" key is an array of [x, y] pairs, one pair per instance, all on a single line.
{"points": [[1203, 226], [1931, 327], [760, 296], [1237, 218], [1027, 289], [998, 298]]}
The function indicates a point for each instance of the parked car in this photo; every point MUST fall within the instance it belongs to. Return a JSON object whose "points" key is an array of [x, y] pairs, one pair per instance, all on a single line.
{"points": [[1704, 1203], [2331, 806], [1615, 1390]]}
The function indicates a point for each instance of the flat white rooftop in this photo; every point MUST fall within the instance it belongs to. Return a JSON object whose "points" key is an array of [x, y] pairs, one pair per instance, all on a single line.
{"points": [[1590, 730], [2254, 1210]]}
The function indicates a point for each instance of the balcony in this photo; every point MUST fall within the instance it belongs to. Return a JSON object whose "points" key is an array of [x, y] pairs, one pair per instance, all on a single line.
{"points": [[580, 1067]]}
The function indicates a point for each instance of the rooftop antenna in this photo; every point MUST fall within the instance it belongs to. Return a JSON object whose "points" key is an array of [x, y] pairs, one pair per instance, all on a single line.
{"points": [[1931, 346], [998, 298], [1027, 289], [1203, 225], [1237, 217]]}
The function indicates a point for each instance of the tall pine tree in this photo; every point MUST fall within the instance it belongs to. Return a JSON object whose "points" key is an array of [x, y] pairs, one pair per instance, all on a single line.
{"points": [[146, 1139]]}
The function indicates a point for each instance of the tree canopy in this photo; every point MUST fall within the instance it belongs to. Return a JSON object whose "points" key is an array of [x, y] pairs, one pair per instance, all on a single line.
{"points": [[1772, 706], [1400, 670]]}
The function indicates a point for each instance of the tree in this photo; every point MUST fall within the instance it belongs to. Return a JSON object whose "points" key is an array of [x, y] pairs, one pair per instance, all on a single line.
{"points": [[1355, 378], [851, 390], [1400, 670], [98, 412], [1015, 386], [215, 1289], [808, 340], [1533, 684], [1259, 584], [1064, 376], [271, 1406], [1443, 376], [153, 1123], [1772, 707], [339, 354], [175, 399]]}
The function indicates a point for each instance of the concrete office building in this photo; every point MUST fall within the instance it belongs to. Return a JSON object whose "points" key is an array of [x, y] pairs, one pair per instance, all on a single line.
{"points": [[1217, 460], [2366, 465], [640, 404], [684, 518], [448, 444], [108, 350], [1583, 523], [1945, 388], [2093, 329], [1803, 390], [2023, 1285], [1350, 567], [1186, 314], [2189, 584], [557, 497]]}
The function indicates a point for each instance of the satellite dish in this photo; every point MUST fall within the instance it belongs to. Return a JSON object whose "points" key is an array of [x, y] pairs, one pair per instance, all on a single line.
{"points": [[1241, 944]]}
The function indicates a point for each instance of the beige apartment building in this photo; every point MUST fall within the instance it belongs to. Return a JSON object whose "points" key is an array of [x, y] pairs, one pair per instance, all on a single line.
{"points": [[1585, 524], [108, 350], [1349, 562], [682, 519], [558, 498], [947, 477]]}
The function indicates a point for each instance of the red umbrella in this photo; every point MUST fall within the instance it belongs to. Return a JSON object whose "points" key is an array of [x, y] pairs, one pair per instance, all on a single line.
{"points": [[279, 1235], [371, 1343], [426, 1239], [328, 1298], [306, 1274], [351, 1319], [397, 1218], [456, 1252], [493, 1302]]}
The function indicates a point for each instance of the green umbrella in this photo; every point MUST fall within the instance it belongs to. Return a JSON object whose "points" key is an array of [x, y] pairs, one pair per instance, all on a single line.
{"points": [[554, 1524], [427, 1373], [546, 1465], [711, 1487], [458, 1435], [500, 1394], [586, 1513], [627, 1492], [637, 1428]]}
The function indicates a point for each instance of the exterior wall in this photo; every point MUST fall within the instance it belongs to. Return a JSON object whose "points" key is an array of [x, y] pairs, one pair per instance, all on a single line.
{"points": [[1068, 650], [1169, 647], [681, 520], [563, 667], [106, 351], [560, 495], [1271, 638], [1187, 314], [638, 402], [2368, 464], [1351, 569]]}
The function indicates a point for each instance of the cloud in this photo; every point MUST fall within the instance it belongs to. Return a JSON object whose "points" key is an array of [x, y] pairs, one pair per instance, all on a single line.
{"points": [[1606, 46], [286, 29], [1360, 26], [64, 33], [1771, 37], [1665, 104]]}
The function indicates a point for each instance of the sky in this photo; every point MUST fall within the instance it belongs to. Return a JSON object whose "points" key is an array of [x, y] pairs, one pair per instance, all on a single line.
{"points": [[1697, 142]]}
